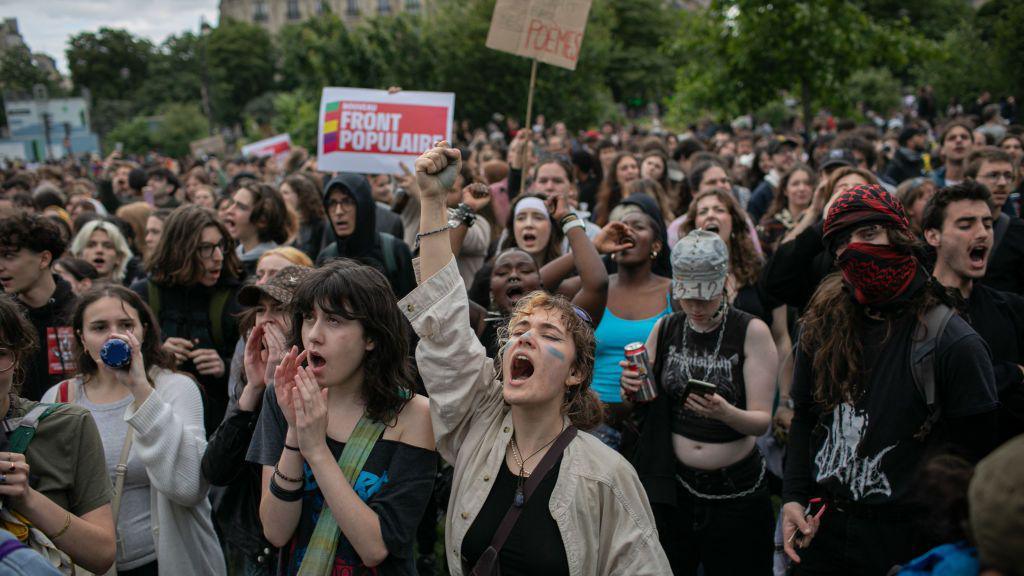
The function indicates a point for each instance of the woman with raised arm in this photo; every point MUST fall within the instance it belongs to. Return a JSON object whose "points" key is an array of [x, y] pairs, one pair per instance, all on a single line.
{"points": [[571, 504]]}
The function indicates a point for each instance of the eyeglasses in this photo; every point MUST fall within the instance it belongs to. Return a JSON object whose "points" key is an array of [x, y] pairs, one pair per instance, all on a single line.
{"points": [[6, 360], [346, 202], [996, 176], [206, 249]]}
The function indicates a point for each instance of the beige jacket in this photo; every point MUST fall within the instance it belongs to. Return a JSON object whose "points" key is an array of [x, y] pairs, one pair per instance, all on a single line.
{"points": [[598, 503]]}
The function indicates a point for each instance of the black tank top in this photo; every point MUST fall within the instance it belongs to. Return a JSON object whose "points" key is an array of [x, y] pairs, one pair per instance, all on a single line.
{"points": [[674, 367]]}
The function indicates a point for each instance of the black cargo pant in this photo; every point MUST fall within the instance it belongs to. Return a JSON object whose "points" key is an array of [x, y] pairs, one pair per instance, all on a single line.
{"points": [[728, 535]]}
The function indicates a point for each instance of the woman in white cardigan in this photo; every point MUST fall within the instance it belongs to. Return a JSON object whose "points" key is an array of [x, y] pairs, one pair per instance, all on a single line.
{"points": [[162, 513]]}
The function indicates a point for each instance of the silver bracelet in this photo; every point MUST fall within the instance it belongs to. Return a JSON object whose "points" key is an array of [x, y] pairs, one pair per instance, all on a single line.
{"points": [[447, 226]]}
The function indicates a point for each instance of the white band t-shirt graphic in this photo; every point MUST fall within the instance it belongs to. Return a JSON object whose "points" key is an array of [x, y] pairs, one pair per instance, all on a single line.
{"points": [[838, 456]]}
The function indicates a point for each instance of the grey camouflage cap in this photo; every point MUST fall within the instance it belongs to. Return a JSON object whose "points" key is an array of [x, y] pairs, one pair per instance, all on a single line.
{"points": [[700, 265]]}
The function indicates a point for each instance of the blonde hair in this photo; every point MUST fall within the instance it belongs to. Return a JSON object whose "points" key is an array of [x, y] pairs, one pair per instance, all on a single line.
{"points": [[120, 244], [289, 253], [581, 404]]}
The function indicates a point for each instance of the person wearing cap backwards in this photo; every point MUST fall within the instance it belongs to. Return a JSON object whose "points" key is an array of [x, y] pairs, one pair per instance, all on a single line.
{"points": [[697, 455], [861, 426], [237, 501]]}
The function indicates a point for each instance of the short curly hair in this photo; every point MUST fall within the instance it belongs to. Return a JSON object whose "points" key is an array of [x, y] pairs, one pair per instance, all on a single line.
{"points": [[34, 232]]}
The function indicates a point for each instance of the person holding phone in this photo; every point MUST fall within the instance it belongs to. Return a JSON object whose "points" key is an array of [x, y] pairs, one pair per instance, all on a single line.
{"points": [[714, 367]]}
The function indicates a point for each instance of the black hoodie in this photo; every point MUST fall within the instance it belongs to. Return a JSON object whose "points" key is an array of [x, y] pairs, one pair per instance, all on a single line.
{"points": [[51, 319], [365, 244]]}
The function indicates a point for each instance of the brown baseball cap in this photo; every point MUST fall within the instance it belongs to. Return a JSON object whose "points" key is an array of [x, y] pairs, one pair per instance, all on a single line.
{"points": [[996, 501], [280, 287]]}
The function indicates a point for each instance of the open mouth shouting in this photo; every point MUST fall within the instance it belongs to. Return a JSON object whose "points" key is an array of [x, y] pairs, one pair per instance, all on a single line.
{"points": [[315, 360], [520, 369], [100, 263], [978, 256], [514, 292], [712, 226]]}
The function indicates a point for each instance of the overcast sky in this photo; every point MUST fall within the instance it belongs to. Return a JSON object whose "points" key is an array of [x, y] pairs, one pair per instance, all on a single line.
{"points": [[46, 25]]}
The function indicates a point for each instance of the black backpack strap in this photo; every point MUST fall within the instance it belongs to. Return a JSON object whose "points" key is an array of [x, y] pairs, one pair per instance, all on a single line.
{"points": [[153, 294], [387, 247], [923, 347], [1002, 224], [218, 301]]}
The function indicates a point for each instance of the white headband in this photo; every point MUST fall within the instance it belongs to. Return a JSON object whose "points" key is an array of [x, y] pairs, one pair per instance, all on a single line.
{"points": [[531, 203]]}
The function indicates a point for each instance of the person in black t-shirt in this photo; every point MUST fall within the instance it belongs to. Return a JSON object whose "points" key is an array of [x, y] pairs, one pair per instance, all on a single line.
{"points": [[858, 435], [958, 223], [356, 389], [29, 245]]}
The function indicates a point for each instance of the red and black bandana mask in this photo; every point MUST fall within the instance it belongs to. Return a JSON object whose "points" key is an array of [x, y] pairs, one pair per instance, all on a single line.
{"points": [[877, 274], [860, 206]]}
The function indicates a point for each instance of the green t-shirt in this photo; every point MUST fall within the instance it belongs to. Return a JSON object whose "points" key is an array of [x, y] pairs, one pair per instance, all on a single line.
{"points": [[66, 459]]}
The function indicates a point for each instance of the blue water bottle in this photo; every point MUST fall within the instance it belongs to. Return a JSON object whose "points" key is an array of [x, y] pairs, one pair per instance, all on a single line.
{"points": [[116, 353]]}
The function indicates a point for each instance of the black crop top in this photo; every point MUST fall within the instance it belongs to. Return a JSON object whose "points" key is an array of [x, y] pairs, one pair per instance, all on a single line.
{"points": [[674, 367]]}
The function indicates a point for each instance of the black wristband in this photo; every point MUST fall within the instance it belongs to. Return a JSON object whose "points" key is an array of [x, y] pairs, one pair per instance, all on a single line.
{"points": [[568, 218], [277, 472], [292, 448], [284, 494]]}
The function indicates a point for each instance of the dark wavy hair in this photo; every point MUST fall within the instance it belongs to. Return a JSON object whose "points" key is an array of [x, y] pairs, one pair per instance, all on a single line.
{"points": [[269, 213], [362, 293], [744, 261], [609, 194], [16, 335], [780, 200], [175, 261], [831, 330], [153, 353], [311, 205], [34, 232]]}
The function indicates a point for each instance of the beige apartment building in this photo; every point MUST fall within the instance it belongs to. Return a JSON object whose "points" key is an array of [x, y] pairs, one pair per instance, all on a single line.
{"points": [[273, 14]]}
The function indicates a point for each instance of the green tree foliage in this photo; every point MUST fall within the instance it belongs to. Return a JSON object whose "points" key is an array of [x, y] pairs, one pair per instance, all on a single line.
{"points": [[175, 73], [135, 134], [241, 60], [639, 68], [179, 125], [296, 114], [111, 63], [19, 75]]}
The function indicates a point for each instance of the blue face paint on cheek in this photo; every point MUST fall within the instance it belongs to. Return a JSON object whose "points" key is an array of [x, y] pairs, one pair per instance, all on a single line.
{"points": [[555, 352]]}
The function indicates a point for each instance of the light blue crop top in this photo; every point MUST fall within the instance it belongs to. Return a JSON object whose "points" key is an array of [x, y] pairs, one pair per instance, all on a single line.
{"points": [[612, 335]]}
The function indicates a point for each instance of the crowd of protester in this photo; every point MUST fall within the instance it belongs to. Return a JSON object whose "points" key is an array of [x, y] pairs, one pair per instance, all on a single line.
{"points": [[321, 367]]}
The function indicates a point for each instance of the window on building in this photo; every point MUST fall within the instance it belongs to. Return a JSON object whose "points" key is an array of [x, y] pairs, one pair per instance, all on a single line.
{"points": [[384, 6], [259, 11], [321, 7], [293, 10], [352, 8], [413, 6]]}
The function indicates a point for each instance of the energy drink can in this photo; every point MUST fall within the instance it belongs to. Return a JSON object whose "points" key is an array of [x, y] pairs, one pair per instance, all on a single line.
{"points": [[636, 355]]}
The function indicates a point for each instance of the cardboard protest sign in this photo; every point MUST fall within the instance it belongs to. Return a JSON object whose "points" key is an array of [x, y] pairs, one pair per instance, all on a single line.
{"points": [[550, 31], [371, 131], [276, 146], [212, 145]]}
